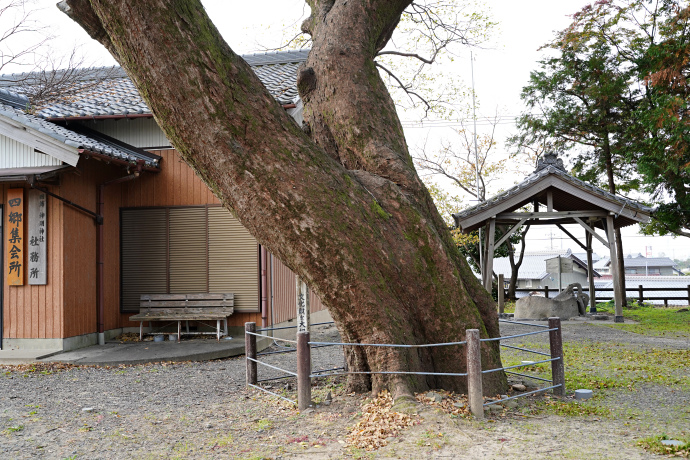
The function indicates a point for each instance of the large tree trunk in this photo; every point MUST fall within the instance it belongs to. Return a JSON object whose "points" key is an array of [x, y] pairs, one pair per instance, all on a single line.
{"points": [[344, 209], [608, 158]]}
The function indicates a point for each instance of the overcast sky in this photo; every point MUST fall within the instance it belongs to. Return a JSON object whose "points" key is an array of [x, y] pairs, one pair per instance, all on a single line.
{"points": [[501, 69]]}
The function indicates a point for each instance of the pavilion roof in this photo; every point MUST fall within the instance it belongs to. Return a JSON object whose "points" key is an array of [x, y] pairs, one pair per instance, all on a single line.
{"points": [[569, 195]]}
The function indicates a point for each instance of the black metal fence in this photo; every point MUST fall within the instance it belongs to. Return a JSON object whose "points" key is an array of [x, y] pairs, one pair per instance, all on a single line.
{"points": [[304, 373]]}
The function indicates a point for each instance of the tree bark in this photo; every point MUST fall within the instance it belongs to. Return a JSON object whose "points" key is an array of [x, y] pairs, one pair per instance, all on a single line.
{"points": [[515, 266], [608, 158], [344, 209]]}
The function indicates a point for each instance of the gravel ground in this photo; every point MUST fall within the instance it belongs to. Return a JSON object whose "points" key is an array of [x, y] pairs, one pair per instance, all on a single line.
{"points": [[202, 410]]}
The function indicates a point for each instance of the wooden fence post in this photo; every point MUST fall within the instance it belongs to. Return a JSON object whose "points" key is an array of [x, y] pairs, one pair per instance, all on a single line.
{"points": [[501, 293], [474, 373], [640, 294], [303, 371], [250, 350], [689, 295], [557, 367], [546, 292]]}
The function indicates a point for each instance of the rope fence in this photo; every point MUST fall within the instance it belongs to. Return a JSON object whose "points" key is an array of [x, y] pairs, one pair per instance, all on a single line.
{"points": [[473, 374]]}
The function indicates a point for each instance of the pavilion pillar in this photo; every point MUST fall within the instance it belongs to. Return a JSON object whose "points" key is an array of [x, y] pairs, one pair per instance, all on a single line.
{"points": [[489, 260], [590, 274], [615, 272]]}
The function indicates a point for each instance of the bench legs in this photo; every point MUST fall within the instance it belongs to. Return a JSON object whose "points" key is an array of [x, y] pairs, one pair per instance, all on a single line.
{"points": [[225, 327], [141, 331], [179, 330]]}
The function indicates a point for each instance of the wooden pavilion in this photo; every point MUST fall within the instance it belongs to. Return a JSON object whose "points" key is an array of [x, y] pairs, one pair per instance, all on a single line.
{"points": [[567, 201]]}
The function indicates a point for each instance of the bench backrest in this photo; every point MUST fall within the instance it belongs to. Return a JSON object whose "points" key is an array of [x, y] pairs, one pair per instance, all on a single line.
{"points": [[151, 301]]}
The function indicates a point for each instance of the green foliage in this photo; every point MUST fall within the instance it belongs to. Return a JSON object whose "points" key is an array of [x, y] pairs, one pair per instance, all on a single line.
{"points": [[13, 429], [653, 444], [615, 96]]}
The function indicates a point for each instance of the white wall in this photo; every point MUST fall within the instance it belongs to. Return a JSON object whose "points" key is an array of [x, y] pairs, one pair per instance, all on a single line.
{"points": [[14, 154]]}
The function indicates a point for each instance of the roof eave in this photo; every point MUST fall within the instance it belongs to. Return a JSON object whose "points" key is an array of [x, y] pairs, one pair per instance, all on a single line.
{"points": [[111, 160]]}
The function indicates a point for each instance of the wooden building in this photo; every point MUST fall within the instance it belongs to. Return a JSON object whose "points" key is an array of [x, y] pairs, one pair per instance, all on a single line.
{"points": [[567, 200], [108, 211]]}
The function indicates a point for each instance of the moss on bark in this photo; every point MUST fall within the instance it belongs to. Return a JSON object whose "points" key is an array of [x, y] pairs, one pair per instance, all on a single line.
{"points": [[368, 241]]}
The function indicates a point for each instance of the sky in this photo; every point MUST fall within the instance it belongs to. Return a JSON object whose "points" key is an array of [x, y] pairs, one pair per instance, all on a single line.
{"points": [[501, 69]]}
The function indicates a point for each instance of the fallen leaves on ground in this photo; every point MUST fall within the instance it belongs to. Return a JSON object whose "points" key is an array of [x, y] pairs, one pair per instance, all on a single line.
{"points": [[41, 368], [378, 423], [451, 403]]}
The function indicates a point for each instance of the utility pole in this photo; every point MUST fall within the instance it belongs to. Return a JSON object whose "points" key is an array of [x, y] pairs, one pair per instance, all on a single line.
{"points": [[476, 161]]}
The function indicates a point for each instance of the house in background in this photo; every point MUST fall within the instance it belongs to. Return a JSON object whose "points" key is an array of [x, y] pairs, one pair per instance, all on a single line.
{"points": [[540, 269], [98, 209], [641, 265], [583, 257]]}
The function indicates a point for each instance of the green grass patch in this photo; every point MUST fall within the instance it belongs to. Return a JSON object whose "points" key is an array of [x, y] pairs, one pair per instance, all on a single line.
{"points": [[602, 366], [652, 321], [653, 444], [509, 306], [573, 408], [13, 429]]}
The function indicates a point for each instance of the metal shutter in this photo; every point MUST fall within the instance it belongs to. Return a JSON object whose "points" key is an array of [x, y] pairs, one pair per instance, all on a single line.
{"points": [[144, 255], [188, 250], [233, 260]]}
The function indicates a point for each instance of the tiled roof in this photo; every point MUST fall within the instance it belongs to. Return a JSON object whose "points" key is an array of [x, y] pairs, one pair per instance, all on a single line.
{"points": [[96, 143], [583, 257], [116, 94], [632, 262], [541, 174]]}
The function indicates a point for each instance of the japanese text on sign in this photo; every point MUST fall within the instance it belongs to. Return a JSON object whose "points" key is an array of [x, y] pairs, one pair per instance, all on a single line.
{"points": [[15, 237], [37, 238]]}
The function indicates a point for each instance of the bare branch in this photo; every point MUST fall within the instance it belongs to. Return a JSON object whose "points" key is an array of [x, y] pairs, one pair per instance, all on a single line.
{"points": [[414, 55], [405, 88]]}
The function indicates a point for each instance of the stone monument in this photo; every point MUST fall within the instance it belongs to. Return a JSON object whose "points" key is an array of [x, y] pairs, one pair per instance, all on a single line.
{"points": [[567, 304]]}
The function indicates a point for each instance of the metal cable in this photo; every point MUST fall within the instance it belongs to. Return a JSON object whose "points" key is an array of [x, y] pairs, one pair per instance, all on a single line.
{"points": [[272, 393], [518, 322], [519, 365], [517, 335], [427, 345], [521, 395], [527, 349], [528, 376], [272, 367]]}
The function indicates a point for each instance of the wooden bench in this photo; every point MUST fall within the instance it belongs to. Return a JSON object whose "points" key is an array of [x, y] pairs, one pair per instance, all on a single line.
{"points": [[185, 307]]}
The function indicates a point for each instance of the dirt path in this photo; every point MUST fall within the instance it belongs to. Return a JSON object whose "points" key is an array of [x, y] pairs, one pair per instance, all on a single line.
{"points": [[202, 410]]}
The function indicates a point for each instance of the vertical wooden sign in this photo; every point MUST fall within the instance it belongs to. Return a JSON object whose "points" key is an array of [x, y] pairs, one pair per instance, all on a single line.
{"points": [[302, 305], [38, 217], [15, 236]]}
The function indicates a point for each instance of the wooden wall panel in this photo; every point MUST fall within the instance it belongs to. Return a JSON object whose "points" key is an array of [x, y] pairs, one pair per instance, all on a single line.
{"points": [[79, 245], [175, 185], [284, 294], [36, 311]]}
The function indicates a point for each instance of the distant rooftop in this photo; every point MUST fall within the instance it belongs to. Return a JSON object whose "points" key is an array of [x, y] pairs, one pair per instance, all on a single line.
{"points": [[534, 263], [116, 95], [107, 92]]}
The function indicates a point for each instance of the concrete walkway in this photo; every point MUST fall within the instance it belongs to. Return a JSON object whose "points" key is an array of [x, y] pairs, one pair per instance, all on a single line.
{"points": [[114, 353], [11, 356]]}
